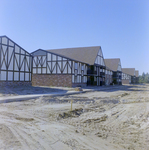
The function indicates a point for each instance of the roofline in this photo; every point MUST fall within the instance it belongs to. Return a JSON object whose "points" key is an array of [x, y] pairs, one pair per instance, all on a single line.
{"points": [[59, 55], [15, 43], [49, 50], [127, 73], [128, 68], [113, 58], [112, 70], [108, 68], [72, 47], [3, 36], [103, 57]]}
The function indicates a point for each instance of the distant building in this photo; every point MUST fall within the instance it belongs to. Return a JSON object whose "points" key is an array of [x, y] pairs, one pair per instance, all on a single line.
{"points": [[69, 67], [108, 76], [15, 63], [128, 76], [114, 65]]}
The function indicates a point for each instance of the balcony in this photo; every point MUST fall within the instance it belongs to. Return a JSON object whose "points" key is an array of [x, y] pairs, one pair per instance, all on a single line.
{"points": [[92, 83], [102, 74], [118, 83], [91, 72], [115, 76]]}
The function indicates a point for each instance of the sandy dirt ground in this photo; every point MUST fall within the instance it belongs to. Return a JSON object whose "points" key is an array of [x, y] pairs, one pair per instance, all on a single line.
{"points": [[114, 119]]}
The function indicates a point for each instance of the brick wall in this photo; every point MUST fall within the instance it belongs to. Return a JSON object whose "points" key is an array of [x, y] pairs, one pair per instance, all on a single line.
{"points": [[52, 80], [125, 81]]}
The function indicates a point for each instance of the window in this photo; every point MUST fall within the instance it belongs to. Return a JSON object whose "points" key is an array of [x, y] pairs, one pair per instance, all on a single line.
{"points": [[82, 73], [76, 72], [76, 65], [82, 68], [75, 79], [82, 79]]}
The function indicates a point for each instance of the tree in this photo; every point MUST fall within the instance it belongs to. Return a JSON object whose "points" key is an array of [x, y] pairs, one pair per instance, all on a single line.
{"points": [[144, 78]]}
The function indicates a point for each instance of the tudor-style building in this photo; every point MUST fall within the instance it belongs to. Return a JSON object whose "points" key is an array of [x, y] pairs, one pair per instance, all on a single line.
{"points": [[15, 63], [68, 67], [108, 76], [128, 76], [60, 67], [114, 65]]}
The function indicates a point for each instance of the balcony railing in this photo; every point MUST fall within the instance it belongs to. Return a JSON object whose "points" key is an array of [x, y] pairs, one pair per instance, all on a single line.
{"points": [[92, 83], [91, 72], [102, 74], [116, 76], [102, 83]]}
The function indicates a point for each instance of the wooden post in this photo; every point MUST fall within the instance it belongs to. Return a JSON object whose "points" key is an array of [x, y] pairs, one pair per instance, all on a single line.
{"points": [[71, 104]]}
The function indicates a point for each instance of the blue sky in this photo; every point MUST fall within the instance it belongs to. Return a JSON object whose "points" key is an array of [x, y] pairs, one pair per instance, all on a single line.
{"points": [[120, 27]]}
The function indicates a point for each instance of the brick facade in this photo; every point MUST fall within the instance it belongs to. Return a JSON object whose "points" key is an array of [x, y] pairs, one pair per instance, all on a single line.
{"points": [[125, 81], [52, 80]]}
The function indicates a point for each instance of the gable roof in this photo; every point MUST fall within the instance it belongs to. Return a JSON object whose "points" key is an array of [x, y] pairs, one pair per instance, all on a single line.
{"points": [[4, 36], [137, 73], [112, 64], [83, 54], [130, 71]]}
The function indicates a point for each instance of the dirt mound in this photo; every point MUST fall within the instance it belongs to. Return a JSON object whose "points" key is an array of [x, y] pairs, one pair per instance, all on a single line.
{"points": [[125, 94], [97, 120], [78, 89], [73, 113]]}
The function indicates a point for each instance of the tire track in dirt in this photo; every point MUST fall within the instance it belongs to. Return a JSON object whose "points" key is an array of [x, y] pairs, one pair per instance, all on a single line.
{"points": [[8, 138], [103, 125], [128, 133]]}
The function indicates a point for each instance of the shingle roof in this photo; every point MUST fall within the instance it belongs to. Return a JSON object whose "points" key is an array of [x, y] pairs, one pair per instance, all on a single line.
{"points": [[82, 54], [130, 71], [112, 64], [137, 73]]}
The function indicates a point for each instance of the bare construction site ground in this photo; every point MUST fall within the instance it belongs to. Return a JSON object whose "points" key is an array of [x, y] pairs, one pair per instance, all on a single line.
{"points": [[114, 119]]}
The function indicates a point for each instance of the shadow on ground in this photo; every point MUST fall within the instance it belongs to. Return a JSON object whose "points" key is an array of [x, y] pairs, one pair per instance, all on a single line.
{"points": [[111, 88], [27, 90], [31, 90]]}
